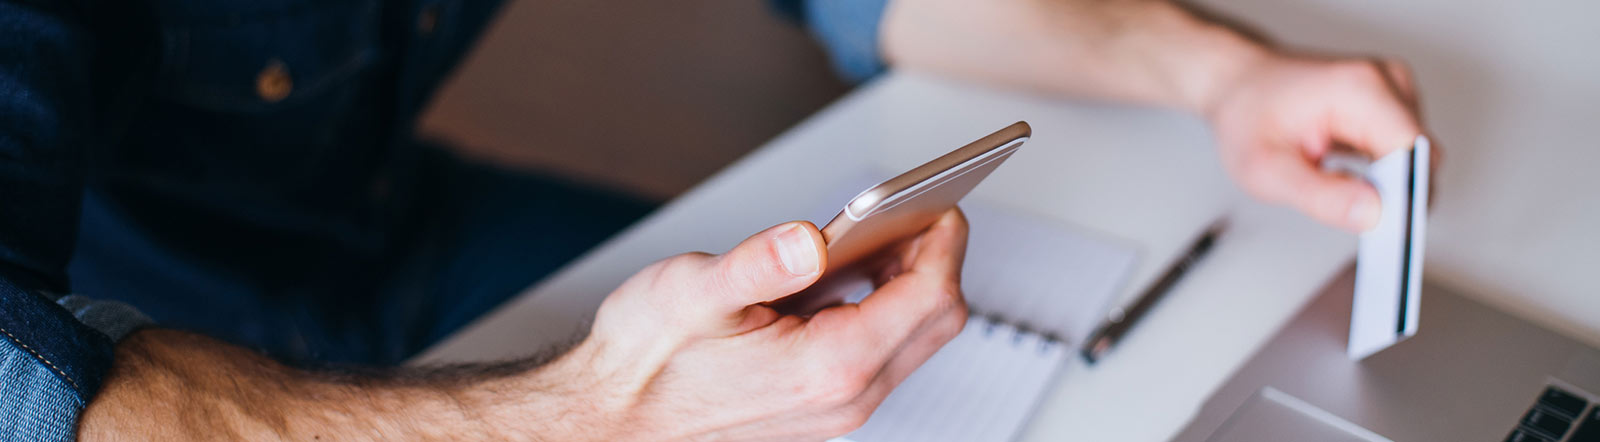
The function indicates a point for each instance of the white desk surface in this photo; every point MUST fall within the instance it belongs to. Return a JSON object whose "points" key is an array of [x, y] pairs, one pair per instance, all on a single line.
{"points": [[1146, 176]]}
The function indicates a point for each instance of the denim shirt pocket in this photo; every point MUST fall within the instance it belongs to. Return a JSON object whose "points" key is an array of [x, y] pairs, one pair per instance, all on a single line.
{"points": [[251, 56], [257, 103]]}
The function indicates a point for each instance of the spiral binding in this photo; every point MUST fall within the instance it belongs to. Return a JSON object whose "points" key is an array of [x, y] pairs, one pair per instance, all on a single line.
{"points": [[1019, 331]]}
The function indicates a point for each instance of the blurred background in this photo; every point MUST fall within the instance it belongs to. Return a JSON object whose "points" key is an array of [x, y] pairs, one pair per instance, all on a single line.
{"points": [[643, 96], [652, 97]]}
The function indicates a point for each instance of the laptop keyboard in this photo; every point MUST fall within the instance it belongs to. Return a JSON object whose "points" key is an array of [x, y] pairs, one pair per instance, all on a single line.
{"points": [[1558, 416]]}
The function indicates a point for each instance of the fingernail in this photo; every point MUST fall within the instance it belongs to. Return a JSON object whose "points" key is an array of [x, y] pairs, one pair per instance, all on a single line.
{"points": [[1365, 212], [796, 250]]}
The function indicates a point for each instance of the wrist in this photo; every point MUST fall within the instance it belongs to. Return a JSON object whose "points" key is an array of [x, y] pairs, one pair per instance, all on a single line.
{"points": [[564, 399], [556, 401], [1205, 60]]}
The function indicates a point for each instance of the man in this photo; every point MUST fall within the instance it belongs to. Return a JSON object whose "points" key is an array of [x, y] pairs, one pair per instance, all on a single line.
{"points": [[245, 169]]}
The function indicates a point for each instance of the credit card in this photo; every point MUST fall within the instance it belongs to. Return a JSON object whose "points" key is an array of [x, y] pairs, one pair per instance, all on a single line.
{"points": [[1388, 293]]}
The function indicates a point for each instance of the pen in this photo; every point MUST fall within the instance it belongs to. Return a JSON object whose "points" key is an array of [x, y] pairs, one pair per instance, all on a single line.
{"points": [[1119, 320]]}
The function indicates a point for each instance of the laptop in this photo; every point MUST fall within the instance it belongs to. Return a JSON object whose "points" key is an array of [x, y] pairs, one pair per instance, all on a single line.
{"points": [[1472, 373]]}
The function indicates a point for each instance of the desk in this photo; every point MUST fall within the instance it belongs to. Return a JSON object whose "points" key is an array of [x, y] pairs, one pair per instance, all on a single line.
{"points": [[1147, 176]]}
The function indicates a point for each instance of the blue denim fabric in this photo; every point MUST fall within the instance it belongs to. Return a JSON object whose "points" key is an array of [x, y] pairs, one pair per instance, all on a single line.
{"points": [[42, 393], [487, 234], [39, 405], [246, 168], [847, 28], [49, 364]]}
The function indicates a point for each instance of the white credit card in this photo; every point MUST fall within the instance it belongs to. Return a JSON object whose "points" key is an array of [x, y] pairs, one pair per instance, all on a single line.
{"points": [[1388, 292]]}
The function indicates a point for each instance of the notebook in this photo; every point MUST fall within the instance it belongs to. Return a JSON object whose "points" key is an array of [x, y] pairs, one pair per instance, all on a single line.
{"points": [[1035, 288]]}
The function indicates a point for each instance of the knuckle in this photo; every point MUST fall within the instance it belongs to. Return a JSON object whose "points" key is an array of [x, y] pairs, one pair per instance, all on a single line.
{"points": [[850, 417], [831, 392], [655, 273], [681, 264], [949, 298], [951, 294], [1362, 72], [835, 384], [672, 272], [943, 289], [951, 325], [1398, 66], [665, 275], [1392, 64], [1400, 72]]}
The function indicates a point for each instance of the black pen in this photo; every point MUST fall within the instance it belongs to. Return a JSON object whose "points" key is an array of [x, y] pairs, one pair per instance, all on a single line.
{"points": [[1119, 320]]}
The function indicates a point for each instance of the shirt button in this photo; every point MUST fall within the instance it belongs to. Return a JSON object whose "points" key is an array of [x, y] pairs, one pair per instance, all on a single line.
{"points": [[427, 20], [273, 83]]}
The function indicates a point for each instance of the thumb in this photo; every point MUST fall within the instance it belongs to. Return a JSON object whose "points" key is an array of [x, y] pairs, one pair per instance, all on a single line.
{"points": [[775, 263]]}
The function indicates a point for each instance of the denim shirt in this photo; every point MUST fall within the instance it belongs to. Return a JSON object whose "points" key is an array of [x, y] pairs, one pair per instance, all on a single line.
{"points": [[231, 132]]}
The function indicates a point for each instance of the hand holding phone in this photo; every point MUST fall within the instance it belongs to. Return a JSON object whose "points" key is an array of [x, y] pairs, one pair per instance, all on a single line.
{"points": [[896, 210]]}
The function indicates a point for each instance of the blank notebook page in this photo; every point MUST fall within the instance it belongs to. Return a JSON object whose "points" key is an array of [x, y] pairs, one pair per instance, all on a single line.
{"points": [[982, 386]]}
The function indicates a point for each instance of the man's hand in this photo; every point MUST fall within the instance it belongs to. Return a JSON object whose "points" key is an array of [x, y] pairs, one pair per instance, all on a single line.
{"points": [[683, 350], [1277, 120], [686, 349], [1275, 114]]}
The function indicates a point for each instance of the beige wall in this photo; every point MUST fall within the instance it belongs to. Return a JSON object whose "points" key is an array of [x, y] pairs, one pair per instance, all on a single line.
{"points": [[646, 96]]}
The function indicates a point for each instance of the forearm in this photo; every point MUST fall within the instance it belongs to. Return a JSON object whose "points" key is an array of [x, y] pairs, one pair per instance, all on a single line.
{"points": [[176, 386], [1145, 51]]}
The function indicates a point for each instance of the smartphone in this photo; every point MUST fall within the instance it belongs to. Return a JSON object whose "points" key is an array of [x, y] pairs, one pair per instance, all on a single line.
{"points": [[897, 210]]}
